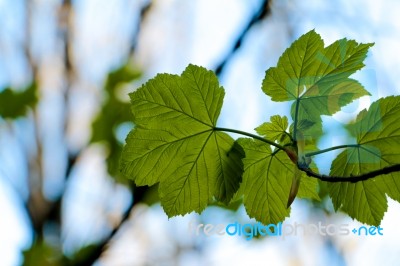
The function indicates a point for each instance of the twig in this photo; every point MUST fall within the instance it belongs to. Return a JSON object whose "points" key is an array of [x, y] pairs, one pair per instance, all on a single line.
{"points": [[331, 149], [259, 15], [143, 13], [353, 178], [270, 142], [94, 255]]}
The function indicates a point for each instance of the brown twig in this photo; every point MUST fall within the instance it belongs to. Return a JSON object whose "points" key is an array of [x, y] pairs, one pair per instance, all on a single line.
{"points": [[354, 178]]}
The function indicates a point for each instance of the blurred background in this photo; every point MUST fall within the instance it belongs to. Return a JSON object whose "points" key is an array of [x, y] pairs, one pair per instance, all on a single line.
{"points": [[66, 68]]}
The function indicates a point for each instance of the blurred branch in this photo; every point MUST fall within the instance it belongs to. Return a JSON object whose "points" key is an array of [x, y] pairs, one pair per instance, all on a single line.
{"points": [[41, 210], [64, 24], [258, 15], [28, 39], [94, 255], [137, 192], [36, 202], [65, 27], [143, 13]]}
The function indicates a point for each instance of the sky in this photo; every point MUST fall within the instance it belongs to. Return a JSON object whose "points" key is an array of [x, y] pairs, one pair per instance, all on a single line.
{"points": [[199, 32]]}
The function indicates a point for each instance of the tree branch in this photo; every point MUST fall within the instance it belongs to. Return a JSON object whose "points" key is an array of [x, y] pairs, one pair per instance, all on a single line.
{"points": [[137, 192], [270, 142], [309, 172], [36, 205], [94, 255], [144, 11], [354, 178], [332, 149], [259, 15]]}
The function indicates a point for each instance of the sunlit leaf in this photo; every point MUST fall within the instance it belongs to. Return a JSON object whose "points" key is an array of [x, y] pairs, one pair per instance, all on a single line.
{"points": [[274, 130], [266, 182], [377, 132], [316, 78], [174, 142]]}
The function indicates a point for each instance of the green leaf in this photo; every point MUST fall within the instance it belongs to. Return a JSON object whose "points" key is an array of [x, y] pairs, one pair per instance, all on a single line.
{"points": [[274, 130], [314, 103], [295, 67], [377, 132], [304, 124], [41, 253], [316, 78], [266, 183], [14, 104], [174, 142], [309, 187]]}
